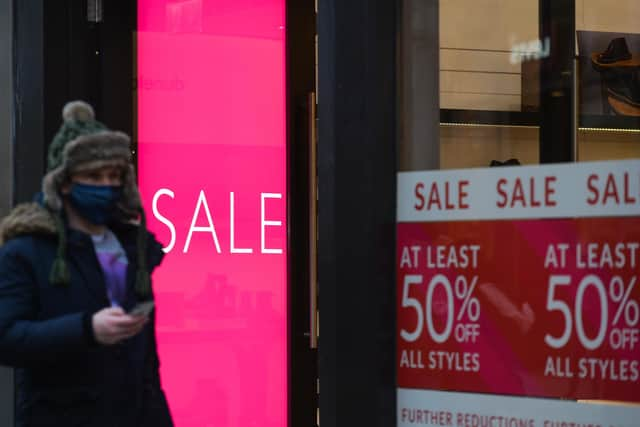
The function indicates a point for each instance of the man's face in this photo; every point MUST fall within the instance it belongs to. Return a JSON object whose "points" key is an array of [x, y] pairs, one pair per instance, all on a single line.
{"points": [[107, 176]]}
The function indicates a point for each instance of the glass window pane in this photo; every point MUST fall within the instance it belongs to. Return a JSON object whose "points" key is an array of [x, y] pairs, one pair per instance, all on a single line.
{"points": [[488, 89], [608, 48]]}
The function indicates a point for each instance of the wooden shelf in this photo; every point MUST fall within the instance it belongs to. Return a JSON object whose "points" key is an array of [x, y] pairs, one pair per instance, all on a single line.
{"points": [[517, 118], [496, 118]]}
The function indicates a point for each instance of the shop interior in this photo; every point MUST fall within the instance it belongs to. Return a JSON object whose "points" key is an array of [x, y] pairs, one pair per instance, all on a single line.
{"points": [[490, 56]]}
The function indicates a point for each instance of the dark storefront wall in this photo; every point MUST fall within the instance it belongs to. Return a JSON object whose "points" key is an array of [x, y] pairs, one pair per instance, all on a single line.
{"points": [[46, 63], [6, 105], [6, 170], [357, 167]]}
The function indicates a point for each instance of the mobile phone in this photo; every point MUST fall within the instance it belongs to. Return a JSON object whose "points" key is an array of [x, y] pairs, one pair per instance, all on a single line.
{"points": [[142, 309]]}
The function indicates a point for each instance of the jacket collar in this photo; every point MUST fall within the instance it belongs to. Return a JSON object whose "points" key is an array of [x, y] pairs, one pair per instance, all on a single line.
{"points": [[27, 219]]}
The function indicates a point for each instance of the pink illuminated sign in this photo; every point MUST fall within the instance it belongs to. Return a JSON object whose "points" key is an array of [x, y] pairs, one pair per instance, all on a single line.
{"points": [[212, 165]]}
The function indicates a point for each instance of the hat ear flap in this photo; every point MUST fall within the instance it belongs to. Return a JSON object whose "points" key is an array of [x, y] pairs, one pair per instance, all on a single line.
{"points": [[130, 194], [51, 188]]}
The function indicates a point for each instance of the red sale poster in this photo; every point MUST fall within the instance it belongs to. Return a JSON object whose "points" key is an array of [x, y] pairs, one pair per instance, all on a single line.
{"points": [[520, 281]]}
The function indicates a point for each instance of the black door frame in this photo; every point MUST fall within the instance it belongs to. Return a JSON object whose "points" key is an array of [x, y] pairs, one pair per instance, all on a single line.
{"points": [[300, 70], [357, 199]]}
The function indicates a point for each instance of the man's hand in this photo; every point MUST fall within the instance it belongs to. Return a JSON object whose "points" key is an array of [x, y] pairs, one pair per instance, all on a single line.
{"points": [[112, 325]]}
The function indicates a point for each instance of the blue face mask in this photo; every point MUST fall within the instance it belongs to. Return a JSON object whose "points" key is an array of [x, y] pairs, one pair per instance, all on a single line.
{"points": [[95, 203]]}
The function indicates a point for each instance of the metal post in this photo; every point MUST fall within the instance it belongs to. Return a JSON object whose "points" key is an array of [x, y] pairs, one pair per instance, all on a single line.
{"points": [[419, 87], [557, 82]]}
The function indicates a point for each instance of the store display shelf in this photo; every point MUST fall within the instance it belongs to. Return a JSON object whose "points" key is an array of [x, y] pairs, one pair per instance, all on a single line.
{"points": [[528, 119], [610, 123], [496, 118]]}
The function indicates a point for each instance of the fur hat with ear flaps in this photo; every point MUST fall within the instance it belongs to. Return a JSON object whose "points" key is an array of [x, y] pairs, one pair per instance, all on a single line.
{"points": [[83, 144]]}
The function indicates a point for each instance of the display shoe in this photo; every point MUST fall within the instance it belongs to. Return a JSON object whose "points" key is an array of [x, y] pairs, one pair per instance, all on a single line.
{"points": [[616, 55], [626, 88], [621, 108], [616, 51], [510, 162]]}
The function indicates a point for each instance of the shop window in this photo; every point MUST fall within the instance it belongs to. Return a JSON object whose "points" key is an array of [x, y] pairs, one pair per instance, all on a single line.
{"points": [[502, 83], [476, 65]]}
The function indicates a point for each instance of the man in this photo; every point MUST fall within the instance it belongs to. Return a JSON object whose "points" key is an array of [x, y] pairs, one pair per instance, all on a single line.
{"points": [[71, 267]]}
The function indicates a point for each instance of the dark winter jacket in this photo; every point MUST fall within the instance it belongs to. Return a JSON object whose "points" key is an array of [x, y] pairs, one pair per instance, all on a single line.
{"points": [[63, 376]]}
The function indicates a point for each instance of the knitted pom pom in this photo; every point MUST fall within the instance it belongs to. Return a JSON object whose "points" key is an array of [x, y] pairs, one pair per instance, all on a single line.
{"points": [[78, 111]]}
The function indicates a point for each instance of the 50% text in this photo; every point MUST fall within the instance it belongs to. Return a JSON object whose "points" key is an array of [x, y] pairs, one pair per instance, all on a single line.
{"points": [[622, 331], [463, 324]]}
